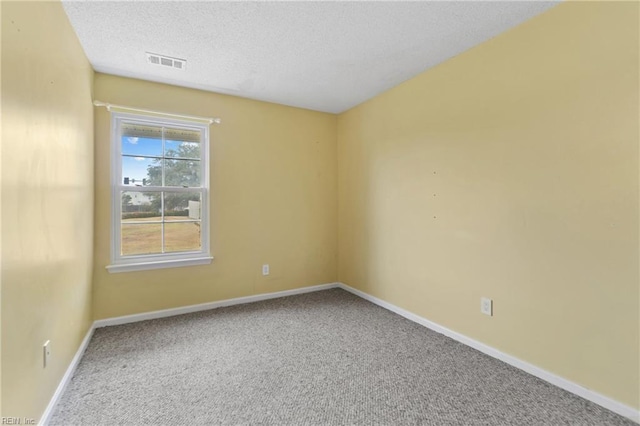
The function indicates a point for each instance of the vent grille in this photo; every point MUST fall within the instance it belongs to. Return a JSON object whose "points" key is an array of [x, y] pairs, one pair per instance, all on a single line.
{"points": [[166, 61]]}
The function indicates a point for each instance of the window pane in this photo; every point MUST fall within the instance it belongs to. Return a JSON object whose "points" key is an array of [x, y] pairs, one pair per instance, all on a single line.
{"points": [[161, 189], [183, 236], [141, 171], [134, 145], [141, 238], [182, 173], [181, 206], [182, 149], [140, 206]]}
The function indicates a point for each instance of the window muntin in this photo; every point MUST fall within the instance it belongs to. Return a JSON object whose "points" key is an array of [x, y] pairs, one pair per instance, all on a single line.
{"points": [[160, 191]]}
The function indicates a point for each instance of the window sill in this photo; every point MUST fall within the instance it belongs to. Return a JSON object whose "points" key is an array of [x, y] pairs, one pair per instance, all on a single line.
{"points": [[159, 264]]}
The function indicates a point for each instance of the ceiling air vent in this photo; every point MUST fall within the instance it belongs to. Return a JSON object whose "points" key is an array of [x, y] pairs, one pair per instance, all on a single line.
{"points": [[166, 61]]}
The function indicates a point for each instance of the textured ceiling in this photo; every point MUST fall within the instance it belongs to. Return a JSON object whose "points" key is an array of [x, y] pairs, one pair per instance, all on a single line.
{"points": [[325, 56]]}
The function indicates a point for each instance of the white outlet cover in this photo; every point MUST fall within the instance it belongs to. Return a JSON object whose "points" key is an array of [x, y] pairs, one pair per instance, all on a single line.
{"points": [[46, 352], [265, 269], [486, 306]]}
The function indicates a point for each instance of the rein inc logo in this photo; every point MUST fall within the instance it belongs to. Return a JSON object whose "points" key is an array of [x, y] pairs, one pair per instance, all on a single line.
{"points": [[17, 421]]}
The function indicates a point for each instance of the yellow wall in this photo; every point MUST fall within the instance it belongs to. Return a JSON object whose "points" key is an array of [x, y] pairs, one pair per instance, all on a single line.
{"points": [[273, 200], [47, 201], [511, 172], [0, 217]]}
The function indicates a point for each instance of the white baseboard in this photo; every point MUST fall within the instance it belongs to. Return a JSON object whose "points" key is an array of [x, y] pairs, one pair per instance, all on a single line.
{"points": [[46, 416], [588, 394], [207, 306]]}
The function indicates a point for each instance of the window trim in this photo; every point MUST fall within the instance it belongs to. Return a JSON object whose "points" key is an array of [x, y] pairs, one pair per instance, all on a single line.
{"points": [[121, 263]]}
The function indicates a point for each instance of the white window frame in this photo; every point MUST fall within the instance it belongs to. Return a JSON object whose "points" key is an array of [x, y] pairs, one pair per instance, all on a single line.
{"points": [[121, 263]]}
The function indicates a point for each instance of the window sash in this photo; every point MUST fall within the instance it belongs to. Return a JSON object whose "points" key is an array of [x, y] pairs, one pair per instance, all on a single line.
{"points": [[120, 119]]}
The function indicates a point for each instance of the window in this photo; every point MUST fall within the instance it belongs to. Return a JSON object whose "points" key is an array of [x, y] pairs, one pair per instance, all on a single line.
{"points": [[160, 181]]}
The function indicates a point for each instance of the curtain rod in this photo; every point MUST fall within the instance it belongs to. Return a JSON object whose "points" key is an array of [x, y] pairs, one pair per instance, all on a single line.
{"points": [[211, 120]]}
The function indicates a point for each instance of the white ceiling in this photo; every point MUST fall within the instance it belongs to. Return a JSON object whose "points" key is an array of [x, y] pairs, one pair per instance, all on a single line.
{"points": [[325, 56]]}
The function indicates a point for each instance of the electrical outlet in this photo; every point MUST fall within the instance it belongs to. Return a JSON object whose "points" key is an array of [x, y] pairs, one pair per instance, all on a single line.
{"points": [[46, 353], [486, 306], [265, 269]]}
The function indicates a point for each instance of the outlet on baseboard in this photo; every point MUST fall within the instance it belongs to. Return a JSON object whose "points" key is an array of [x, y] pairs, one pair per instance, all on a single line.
{"points": [[486, 306], [46, 353]]}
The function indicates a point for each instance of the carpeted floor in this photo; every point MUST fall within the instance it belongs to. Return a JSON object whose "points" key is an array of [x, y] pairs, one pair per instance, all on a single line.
{"points": [[325, 358]]}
